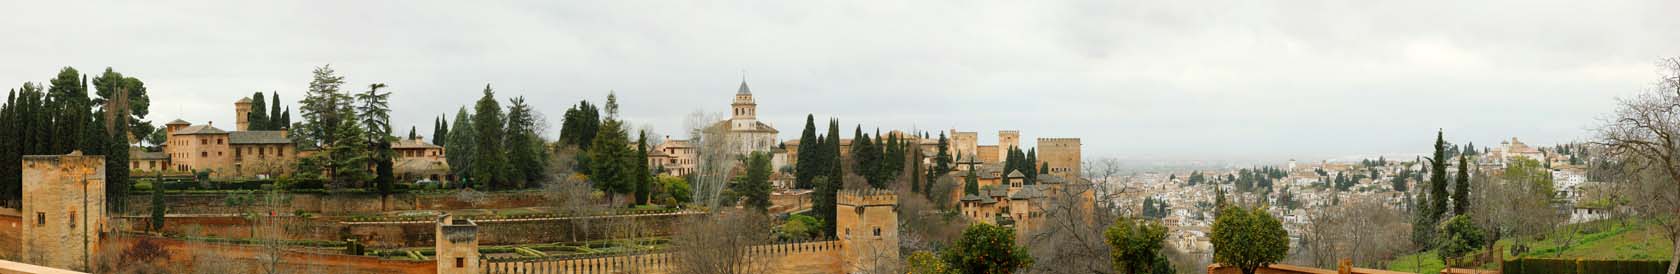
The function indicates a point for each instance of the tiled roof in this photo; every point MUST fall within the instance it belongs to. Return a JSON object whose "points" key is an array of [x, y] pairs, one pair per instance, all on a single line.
{"points": [[178, 122], [200, 129], [150, 155], [258, 137], [1027, 192], [413, 144], [1016, 174]]}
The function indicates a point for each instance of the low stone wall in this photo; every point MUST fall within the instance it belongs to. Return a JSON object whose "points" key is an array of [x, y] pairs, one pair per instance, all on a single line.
{"points": [[791, 258], [342, 203], [10, 237], [1345, 267], [414, 234], [197, 257]]}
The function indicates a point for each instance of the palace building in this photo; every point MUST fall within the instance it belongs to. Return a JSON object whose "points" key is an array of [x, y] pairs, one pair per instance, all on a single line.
{"points": [[244, 153]]}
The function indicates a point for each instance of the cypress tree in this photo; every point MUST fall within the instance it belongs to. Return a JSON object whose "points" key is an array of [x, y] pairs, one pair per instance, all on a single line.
{"points": [[258, 117], [276, 119], [805, 170], [1031, 166], [1461, 187], [1438, 179], [644, 178], [971, 183], [440, 132]]}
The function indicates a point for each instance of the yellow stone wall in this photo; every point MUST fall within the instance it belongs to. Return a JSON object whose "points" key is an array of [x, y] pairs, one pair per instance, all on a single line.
{"points": [[63, 206]]}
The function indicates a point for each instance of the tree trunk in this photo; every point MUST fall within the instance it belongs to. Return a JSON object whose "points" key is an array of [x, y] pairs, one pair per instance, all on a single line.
{"points": [[1674, 260]]}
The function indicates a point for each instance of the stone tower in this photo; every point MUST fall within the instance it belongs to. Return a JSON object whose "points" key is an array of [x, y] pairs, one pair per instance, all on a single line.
{"points": [[242, 113], [964, 144], [867, 221], [456, 245], [1007, 139], [745, 115], [63, 209], [1062, 154]]}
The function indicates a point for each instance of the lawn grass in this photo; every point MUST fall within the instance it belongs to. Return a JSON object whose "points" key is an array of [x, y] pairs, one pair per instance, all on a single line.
{"points": [[1601, 240]]}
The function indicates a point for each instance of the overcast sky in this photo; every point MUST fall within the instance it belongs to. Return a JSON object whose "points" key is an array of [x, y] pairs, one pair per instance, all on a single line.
{"points": [[1170, 80]]}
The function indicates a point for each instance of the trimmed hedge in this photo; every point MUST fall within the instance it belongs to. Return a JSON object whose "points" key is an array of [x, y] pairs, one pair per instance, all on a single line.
{"points": [[1582, 266]]}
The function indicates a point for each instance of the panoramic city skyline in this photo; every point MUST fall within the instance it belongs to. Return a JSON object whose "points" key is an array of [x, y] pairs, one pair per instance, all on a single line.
{"points": [[1259, 83]]}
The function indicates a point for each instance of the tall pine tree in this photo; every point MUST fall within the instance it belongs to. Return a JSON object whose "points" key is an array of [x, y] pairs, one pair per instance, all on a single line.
{"points": [[523, 147], [462, 146], [611, 169], [489, 166]]}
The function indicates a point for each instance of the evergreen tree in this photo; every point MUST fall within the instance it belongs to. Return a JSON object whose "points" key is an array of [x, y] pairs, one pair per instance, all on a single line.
{"points": [[862, 163], [971, 183], [828, 184], [1461, 187], [580, 125], [350, 158], [286, 118], [158, 208], [462, 145], [276, 119], [489, 166], [644, 178], [375, 112], [324, 107], [941, 160], [1030, 166], [68, 104], [523, 147], [440, 131], [806, 168], [258, 117], [756, 188], [1437, 181], [124, 100], [611, 169]]}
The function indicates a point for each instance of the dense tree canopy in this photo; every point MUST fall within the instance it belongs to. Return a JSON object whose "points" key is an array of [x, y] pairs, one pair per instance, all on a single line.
{"points": [[1248, 238], [985, 248]]}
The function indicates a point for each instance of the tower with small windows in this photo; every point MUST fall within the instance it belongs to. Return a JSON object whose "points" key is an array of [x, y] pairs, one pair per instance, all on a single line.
{"points": [[456, 245], [63, 210], [745, 114], [867, 223]]}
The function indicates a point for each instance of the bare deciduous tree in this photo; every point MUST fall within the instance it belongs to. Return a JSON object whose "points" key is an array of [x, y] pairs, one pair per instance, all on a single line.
{"points": [[719, 243], [717, 151], [1645, 132]]}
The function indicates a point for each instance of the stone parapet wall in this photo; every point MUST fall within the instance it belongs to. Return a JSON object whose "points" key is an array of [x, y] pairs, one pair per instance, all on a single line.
{"points": [[793, 258], [340, 204]]}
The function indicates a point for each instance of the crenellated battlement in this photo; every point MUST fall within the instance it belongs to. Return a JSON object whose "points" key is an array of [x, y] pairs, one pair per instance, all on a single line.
{"points": [[1042, 141], [867, 197]]}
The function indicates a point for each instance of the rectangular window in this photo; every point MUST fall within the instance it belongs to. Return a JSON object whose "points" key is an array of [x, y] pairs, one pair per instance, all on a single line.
{"points": [[218, 141], [202, 154], [40, 218], [460, 262], [72, 219]]}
